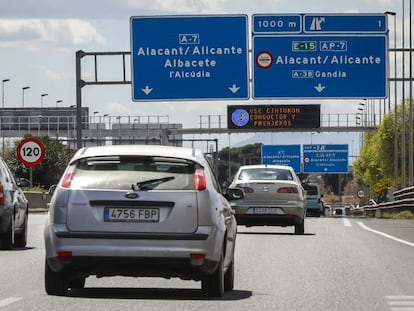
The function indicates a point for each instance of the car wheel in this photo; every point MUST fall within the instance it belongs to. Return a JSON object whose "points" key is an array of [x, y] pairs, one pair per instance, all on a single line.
{"points": [[7, 239], [20, 239], [213, 285], [55, 282], [300, 228], [77, 283], [229, 277]]}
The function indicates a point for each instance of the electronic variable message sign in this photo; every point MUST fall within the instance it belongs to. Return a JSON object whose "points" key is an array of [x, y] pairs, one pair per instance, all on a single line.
{"points": [[254, 117]]}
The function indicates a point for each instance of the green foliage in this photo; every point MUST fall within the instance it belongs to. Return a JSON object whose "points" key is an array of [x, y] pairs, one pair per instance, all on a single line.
{"points": [[233, 157], [374, 166], [379, 189], [400, 215], [52, 167]]}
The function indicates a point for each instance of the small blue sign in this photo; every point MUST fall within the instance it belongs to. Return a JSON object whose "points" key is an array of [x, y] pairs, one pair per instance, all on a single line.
{"points": [[282, 155], [189, 57], [325, 66], [325, 159], [277, 23], [345, 23]]}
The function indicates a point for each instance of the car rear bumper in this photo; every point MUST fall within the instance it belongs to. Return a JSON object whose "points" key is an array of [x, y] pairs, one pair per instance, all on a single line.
{"points": [[84, 266], [133, 254], [268, 220]]}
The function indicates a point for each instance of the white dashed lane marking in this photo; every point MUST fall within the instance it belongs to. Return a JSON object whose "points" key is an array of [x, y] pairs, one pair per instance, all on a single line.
{"points": [[400, 303], [9, 301], [347, 223]]}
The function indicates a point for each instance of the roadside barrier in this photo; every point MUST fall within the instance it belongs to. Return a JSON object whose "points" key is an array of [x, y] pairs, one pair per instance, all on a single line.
{"points": [[404, 201]]}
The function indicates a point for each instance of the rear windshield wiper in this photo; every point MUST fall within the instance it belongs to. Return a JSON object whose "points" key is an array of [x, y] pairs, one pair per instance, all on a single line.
{"points": [[150, 183]]}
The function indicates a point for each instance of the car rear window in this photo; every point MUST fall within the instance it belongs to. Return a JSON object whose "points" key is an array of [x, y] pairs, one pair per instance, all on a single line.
{"points": [[134, 172], [310, 189], [265, 174]]}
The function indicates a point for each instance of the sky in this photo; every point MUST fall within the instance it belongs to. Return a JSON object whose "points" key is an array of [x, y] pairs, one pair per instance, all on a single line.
{"points": [[39, 39]]}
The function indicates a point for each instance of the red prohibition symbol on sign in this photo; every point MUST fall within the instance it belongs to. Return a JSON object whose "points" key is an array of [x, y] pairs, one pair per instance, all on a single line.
{"points": [[264, 59], [31, 151]]}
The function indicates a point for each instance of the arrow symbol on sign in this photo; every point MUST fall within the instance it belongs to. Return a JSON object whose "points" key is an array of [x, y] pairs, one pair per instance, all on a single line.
{"points": [[319, 87], [234, 88], [147, 90]]}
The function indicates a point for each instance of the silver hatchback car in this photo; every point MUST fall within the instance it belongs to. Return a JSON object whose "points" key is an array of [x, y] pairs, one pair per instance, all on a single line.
{"points": [[273, 196], [141, 211]]}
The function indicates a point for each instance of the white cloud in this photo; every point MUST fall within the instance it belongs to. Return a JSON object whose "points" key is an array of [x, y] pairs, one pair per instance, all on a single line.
{"points": [[48, 33]]}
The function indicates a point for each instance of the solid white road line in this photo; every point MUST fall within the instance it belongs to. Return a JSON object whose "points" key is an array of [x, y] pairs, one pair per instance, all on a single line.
{"points": [[361, 224], [9, 300]]}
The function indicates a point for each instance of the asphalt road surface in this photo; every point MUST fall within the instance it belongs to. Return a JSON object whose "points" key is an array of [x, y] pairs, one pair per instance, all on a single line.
{"points": [[339, 264]]}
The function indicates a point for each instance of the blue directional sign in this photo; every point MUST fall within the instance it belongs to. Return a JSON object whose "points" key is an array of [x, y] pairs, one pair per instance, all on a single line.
{"points": [[333, 56], [325, 159], [189, 57], [282, 155], [345, 23]]}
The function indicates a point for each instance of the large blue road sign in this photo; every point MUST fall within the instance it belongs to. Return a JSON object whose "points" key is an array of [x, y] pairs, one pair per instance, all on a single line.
{"points": [[282, 155], [333, 57], [189, 57], [349, 66], [325, 159]]}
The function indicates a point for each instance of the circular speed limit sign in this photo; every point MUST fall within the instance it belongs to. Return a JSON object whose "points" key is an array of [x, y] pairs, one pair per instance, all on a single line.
{"points": [[31, 151]]}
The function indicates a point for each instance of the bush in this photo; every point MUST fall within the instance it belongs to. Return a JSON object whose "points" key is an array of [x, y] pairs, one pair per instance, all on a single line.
{"points": [[400, 215]]}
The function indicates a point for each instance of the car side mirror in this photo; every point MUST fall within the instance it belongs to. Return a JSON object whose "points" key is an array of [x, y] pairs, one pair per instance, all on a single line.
{"points": [[51, 190], [234, 194], [23, 182]]}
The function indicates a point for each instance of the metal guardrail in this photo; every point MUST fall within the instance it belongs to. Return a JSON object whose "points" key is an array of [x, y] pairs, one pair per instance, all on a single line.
{"points": [[404, 201]]}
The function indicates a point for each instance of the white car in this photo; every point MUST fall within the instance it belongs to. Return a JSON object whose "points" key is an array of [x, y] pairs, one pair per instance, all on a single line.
{"points": [[274, 196], [141, 211]]}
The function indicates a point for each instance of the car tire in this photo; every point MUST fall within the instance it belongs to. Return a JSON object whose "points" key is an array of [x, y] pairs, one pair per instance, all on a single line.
{"points": [[55, 282], [229, 277], [213, 285], [300, 228], [7, 239], [20, 239]]}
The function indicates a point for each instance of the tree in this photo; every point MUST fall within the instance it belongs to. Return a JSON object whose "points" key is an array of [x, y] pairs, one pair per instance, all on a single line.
{"points": [[374, 166], [52, 167]]}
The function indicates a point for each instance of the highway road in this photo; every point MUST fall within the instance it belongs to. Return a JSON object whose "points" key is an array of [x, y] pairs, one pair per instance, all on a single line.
{"points": [[339, 264]]}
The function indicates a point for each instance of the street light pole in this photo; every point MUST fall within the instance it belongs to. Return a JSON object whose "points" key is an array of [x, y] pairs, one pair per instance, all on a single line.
{"points": [[24, 89], [58, 102], [394, 15], [2, 106], [2, 91], [41, 99]]}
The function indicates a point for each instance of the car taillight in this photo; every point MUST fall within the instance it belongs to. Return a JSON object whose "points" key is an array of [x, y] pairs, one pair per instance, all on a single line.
{"points": [[200, 182], [68, 176], [245, 189], [248, 190], [64, 256], [287, 190], [1, 194]]}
